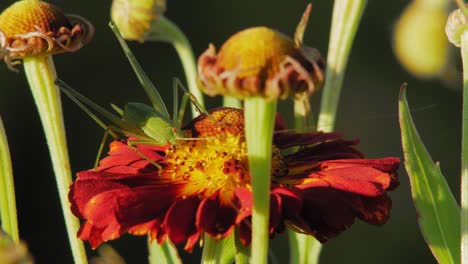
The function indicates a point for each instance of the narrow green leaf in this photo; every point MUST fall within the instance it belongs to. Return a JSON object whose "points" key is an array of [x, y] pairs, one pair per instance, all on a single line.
{"points": [[163, 254], [228, 250], [439, 213], [150, 89], [82, 102]]}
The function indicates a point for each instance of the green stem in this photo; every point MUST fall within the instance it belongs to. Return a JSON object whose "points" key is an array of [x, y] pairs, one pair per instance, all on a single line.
{"points": [[211, 250], [346, 17], [242, 253], [165, 30], [304, 249], [166, 253], [9, 217], [41, 74], [464, 152], [229, 101], [259, 124]]}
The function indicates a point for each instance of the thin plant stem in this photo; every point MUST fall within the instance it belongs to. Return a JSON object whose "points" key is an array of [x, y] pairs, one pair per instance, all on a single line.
{"points": [[165, 30], [211, 250], [229, 101], [242, 253], [41, 74], [259, 124], [345, 21], [464, 153], [9, 217], [304, 249]]}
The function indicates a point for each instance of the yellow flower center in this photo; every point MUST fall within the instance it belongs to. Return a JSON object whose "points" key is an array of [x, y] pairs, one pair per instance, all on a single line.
{"points": [[214, 156], [256, 51], [30, 16]]}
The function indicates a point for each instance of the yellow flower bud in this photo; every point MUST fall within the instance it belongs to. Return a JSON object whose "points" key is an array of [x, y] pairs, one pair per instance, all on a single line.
{"points": [[419, 39], [134, 17]]}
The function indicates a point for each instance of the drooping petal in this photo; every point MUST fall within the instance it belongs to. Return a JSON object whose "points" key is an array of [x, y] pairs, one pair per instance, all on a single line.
{"points": [[180, 222], [217, 217]]}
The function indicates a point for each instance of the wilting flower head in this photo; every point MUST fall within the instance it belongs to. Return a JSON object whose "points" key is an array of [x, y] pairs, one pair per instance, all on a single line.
{"points": [[31, 28], [204, 186], [134, 17], [263, 62]]}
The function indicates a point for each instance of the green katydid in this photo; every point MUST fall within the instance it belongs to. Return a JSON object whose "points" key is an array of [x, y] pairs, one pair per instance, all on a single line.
{"points": [[151, 125]]}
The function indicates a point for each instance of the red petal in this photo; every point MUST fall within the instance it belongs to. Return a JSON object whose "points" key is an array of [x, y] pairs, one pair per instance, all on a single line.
{"points": [[326, 212], [180, 222], [216, 218], [359, 180], [121, 154], [245, 199]]}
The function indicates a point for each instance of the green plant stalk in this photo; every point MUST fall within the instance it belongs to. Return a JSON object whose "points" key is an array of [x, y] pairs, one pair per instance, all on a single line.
{"points": [[345, 21], [211, 250], [242, 253], [259, 125], [464, 152], [9, 217], [41, 74], [229, 101], [162, 254], [165, 30], [304, 248]]}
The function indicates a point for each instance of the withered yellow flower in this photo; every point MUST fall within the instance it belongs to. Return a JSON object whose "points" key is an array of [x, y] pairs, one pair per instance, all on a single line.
{"points": [[31, 28], [260, 61]]}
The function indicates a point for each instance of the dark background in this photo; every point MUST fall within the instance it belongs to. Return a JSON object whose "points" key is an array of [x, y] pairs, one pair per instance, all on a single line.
{"points": [[368, 111]]}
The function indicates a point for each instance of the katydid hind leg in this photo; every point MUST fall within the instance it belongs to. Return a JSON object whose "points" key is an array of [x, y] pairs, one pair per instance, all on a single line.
{"points": [[132, 144]]}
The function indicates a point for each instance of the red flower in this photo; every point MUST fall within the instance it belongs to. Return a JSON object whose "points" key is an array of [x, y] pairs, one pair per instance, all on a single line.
{"points": [[204, 186]]}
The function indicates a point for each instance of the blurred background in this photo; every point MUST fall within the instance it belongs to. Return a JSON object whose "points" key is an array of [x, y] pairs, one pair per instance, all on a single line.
{"points": [[368, 111]]}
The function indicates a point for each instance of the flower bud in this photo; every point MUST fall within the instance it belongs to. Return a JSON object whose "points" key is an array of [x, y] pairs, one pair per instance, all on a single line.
{"points": [[419, 42], [134, 17], [456, 26]]}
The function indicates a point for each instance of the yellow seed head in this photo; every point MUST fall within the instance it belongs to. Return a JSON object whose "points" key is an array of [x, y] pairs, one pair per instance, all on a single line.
{"points": [[31, 28], [254, 51], [28, 15]]}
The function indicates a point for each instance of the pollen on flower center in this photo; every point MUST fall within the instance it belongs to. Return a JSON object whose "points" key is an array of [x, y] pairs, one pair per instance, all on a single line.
{"points": [[214, 155]]}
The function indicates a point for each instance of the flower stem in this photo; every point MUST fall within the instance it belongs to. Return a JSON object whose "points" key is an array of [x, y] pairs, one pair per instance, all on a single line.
{"points": [[304, 248], [464, 152], [211, 250], [9, 217], [242, 253], [259, 124], [165, 30], [41, 74], [229, 101], [346, 17]]}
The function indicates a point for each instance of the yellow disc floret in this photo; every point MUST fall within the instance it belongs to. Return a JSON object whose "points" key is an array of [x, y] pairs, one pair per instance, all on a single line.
{"points": [[213, 157], [31, 28]]}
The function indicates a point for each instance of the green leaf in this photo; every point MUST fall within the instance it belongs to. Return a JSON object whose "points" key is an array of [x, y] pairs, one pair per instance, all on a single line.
{"points": [[163, 254], [439, 213]]}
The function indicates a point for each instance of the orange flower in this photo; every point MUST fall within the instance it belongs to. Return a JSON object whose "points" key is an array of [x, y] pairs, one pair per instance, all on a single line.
{"points": [[31, 28], [260, 61], [204, 186]]}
